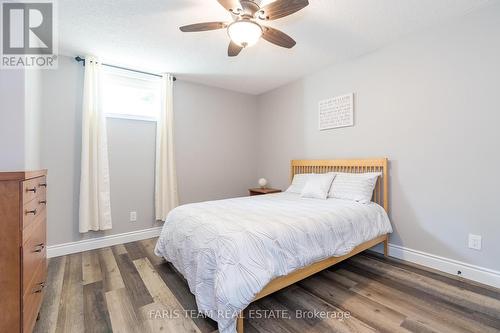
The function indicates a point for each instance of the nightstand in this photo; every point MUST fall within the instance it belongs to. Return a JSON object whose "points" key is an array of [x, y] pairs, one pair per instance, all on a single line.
{"points": [[261, 191]]}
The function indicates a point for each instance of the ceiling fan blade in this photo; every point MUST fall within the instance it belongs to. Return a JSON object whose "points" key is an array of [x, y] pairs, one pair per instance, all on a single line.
{"points": [[231, 5], [203, 26], [278, 38], [282, 8], [234, 49]]}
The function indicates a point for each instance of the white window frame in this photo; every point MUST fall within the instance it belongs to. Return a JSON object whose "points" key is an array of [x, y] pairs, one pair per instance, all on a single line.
{"points": [[130, 117], [106, 70]]}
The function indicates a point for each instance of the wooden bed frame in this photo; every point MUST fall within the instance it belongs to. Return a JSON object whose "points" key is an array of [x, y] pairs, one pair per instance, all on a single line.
{"points": [[380, 196]]}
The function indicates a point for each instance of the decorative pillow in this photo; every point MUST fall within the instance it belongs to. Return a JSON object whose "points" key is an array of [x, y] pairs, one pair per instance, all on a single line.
{"points": [[354, 186], [298, 182], [317, 186]]}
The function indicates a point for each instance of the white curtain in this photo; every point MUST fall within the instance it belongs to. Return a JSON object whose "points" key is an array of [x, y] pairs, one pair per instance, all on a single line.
{"points": [[95, 205], [166, 197]]}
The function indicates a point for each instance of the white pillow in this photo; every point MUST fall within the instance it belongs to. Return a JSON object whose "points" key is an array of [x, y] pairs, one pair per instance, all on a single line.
{"points": [[354, 186], [298, 182], [317, 186]]}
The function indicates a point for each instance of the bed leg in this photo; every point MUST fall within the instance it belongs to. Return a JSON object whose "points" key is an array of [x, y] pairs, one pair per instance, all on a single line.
{"points": [[239, 323], [386, 247]]}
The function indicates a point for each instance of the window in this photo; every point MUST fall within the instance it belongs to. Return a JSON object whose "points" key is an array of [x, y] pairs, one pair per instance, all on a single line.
{"points": [[130, 95]]}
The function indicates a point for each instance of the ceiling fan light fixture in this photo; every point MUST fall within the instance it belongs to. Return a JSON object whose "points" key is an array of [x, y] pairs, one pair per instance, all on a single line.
{"points": [[244, 32]]}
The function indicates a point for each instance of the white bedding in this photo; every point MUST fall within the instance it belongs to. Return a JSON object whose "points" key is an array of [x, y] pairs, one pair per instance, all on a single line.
{"points": [[228, 250]]}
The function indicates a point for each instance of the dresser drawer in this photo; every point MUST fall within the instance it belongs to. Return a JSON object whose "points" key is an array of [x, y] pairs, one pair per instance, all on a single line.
{"points": [[33, 298], [33, 251], [34, 209], [34, 188]]}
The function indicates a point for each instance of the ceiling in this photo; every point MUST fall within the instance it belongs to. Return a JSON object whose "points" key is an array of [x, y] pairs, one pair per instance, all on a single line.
{"points": [[145, 35]]}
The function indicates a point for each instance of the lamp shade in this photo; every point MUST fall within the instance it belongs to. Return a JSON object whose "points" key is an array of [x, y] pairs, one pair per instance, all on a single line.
{"points": [[244, 33], [263, 182]]}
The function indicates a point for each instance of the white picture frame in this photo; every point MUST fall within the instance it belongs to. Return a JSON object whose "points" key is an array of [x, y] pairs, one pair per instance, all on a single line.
{"points": [[336, 112]]}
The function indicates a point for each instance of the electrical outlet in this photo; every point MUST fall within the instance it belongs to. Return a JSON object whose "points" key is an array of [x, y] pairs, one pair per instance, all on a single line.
{"points": [[133, 216], [475, 242]]}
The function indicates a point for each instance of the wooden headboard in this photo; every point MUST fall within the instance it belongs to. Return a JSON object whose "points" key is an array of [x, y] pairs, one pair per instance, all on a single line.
{"points": [[380, 194]]}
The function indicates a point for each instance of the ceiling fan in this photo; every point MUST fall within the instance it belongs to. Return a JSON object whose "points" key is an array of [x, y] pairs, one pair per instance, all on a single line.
{"points": [[246, 29]]}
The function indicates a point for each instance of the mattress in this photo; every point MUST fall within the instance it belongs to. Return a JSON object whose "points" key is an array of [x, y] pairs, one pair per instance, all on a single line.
{"points": [[229, 250]]}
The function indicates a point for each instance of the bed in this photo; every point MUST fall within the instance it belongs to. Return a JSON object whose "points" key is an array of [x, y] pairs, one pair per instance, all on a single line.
{"points": [[235, 251]]}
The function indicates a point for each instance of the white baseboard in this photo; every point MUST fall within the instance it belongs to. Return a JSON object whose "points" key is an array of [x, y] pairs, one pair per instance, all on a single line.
{"points": [[97, 243], [450, 266]]}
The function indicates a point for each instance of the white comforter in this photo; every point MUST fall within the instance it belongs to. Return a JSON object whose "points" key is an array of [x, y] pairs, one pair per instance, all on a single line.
{"points": [[228, 250]]}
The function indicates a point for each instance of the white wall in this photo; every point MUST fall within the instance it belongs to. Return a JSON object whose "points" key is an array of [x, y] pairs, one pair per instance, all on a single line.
{"points": [[61, 135], [12, 120], [20, 99], [213, 133], [131, 149], [430, 104], [32, 119], [216, 146]]}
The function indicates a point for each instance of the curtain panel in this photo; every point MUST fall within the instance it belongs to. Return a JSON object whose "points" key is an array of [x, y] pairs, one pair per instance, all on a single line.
{"points": [[166, 197], [95, 203]]}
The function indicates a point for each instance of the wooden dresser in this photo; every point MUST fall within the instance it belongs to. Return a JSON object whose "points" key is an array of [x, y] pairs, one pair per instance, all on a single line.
{"points": [[23, 260]]}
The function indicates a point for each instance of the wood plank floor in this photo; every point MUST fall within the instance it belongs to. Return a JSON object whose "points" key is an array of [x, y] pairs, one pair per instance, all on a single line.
{"points": [[126, 288]]}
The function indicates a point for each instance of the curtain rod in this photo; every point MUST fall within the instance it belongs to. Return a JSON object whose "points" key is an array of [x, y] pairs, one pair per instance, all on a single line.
{"points": [[80, 59]]}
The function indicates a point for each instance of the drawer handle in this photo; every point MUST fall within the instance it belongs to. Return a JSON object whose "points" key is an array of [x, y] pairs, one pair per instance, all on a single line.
{"points": [[40, 289], [31, 212], [42, 185], [39, 248], [31, 190], [42, 202]]}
